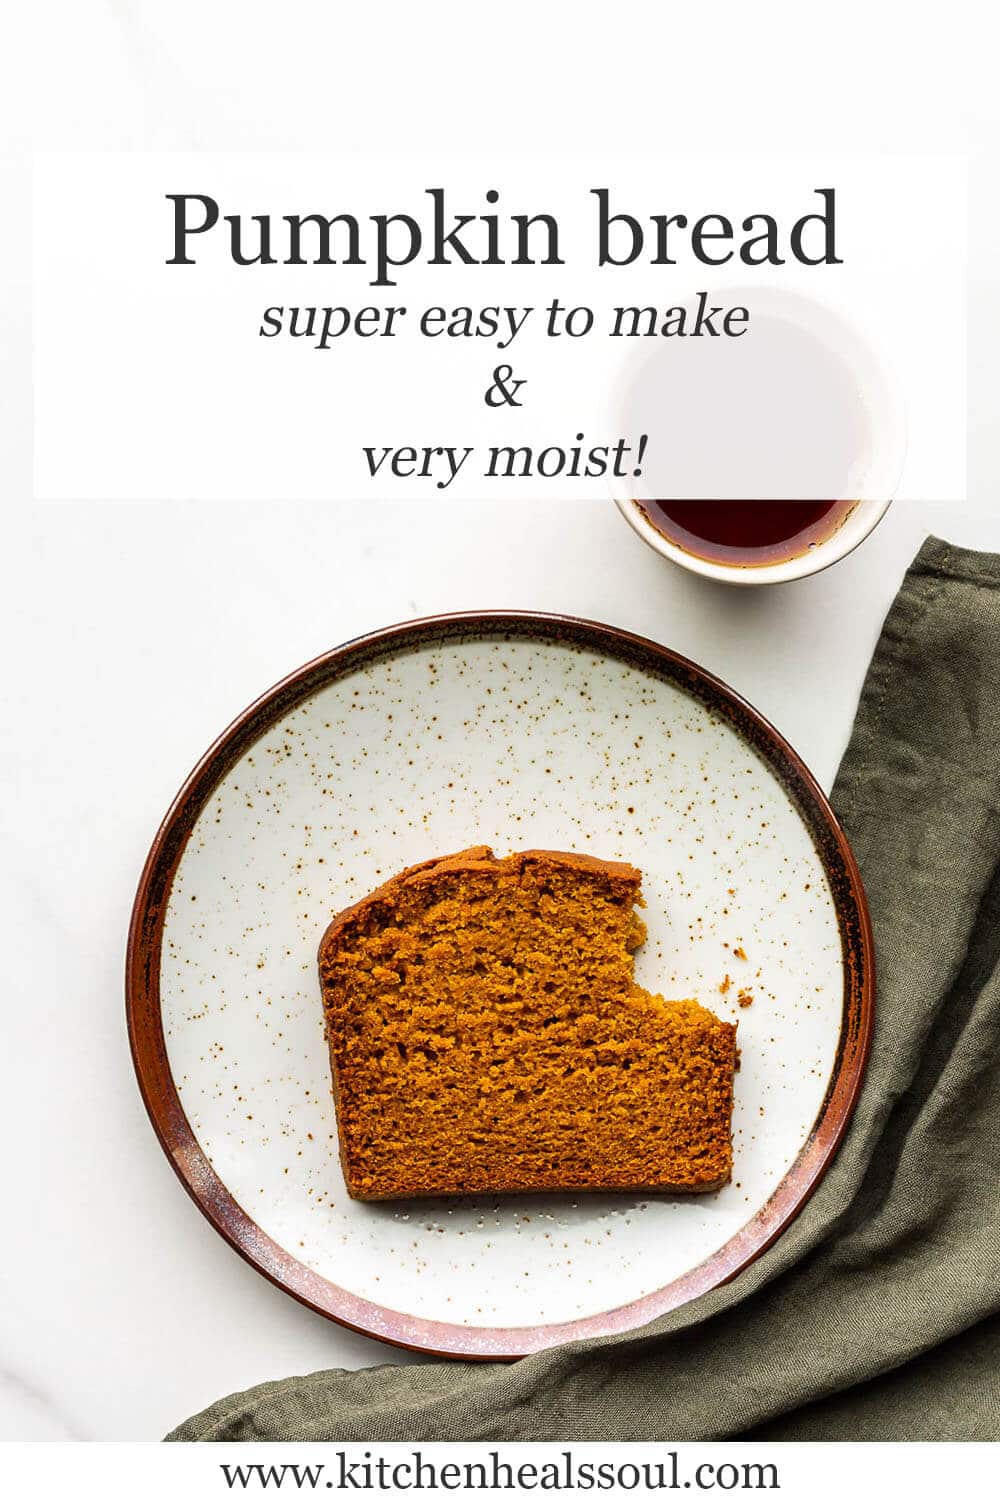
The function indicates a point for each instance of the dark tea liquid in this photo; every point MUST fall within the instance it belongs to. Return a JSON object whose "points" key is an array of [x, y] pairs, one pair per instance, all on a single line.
{"points": [[747, 533]]}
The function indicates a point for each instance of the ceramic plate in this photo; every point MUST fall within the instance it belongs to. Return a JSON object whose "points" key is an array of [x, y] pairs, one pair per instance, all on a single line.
{"points": [[517, 731]]}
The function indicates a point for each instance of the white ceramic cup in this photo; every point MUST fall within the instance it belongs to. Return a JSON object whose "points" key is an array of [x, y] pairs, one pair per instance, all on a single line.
{"points": [[806, 410], [857, 524]]}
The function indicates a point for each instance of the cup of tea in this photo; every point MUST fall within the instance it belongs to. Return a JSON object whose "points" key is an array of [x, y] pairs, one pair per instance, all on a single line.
{"points": [[797, 405], [753, 541]]}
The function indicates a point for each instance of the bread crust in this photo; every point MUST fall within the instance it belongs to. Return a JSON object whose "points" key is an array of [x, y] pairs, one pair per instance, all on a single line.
{"points": [[477, 857]]}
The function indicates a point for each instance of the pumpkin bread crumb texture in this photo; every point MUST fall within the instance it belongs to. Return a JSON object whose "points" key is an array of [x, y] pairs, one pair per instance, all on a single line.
{"points": [[486, 1035]]}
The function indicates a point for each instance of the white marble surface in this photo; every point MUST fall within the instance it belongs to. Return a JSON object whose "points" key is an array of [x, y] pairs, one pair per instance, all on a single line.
{"points": [[134, 633], [127, 1309]]}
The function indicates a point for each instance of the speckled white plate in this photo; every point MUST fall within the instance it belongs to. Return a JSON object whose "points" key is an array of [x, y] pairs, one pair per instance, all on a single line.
{"points": [[517, 731]]}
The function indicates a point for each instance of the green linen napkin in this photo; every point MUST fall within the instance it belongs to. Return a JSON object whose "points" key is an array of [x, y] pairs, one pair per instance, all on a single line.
{"points": [[875, 1316]]}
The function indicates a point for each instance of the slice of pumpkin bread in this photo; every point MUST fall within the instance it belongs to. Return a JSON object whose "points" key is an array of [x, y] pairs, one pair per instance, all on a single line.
{"points": [[486, 1035]]}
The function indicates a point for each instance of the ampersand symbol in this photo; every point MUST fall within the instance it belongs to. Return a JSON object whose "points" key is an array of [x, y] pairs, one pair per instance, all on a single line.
{"points": [[503, 391]]}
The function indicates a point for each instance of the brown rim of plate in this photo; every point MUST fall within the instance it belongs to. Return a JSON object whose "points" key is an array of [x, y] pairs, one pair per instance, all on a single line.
{"points": [[145, 1028]]}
